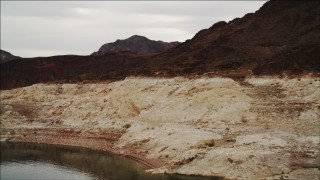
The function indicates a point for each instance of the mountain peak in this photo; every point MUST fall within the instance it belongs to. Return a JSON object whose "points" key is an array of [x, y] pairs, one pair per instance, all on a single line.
{"points": [[137, 44], [137, 37]]}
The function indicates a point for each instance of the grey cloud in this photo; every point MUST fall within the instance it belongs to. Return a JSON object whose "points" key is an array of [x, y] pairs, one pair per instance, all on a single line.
{"points": [[34, 9]]}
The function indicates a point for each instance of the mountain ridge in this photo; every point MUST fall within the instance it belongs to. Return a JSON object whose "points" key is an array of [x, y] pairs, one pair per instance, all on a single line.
{"points": [[263, 42], [281, 38]]}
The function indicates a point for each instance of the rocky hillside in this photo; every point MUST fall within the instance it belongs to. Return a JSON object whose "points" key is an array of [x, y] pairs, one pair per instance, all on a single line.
{"points": [[282, 37], [70, 68], [138, 44], [6, 56]]}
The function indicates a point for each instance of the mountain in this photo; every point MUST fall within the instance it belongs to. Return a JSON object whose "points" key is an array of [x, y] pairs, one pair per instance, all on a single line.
{"points": [[281, 38], [6, 56], [138, 44]]}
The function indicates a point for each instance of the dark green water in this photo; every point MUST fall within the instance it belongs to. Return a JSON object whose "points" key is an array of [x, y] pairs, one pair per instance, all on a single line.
{"points": [[40, 161]]}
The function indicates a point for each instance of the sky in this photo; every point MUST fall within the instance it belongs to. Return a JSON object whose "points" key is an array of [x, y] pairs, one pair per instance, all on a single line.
{"points": [[47, 28]]}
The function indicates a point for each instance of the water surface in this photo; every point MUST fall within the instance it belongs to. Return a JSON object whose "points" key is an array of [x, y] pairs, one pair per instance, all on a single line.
{"points": [[41, 161]]}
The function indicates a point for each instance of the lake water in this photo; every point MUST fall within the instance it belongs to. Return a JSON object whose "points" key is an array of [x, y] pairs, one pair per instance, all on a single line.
{"points": [[40, 161]]}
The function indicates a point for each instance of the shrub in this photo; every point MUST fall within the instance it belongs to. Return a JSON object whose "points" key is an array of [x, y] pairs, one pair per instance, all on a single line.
{"points": [[127, 126]]}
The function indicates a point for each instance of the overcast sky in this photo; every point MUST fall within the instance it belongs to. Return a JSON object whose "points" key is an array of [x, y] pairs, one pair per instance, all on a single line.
{"points": [[36, 28]]}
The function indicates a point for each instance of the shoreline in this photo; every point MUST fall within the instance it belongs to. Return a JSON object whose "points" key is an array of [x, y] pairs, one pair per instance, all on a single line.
{"points": [[141, 161], [87, 142]]}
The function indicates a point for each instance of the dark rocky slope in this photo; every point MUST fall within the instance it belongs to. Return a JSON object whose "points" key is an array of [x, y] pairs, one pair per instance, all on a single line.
{"points": [[282, 37], [70, 68], [138, 44], [6, 56]]}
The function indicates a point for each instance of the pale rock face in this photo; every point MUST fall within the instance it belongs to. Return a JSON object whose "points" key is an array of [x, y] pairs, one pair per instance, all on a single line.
{"points": [[261, 139], [258, 128]]}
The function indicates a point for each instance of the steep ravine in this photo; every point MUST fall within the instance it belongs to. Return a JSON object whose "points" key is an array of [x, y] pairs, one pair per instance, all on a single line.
{"points": [[262, 127]]}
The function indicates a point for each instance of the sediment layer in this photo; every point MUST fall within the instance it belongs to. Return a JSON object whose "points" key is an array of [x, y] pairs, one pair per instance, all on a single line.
{"points": [[262, 127]]}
